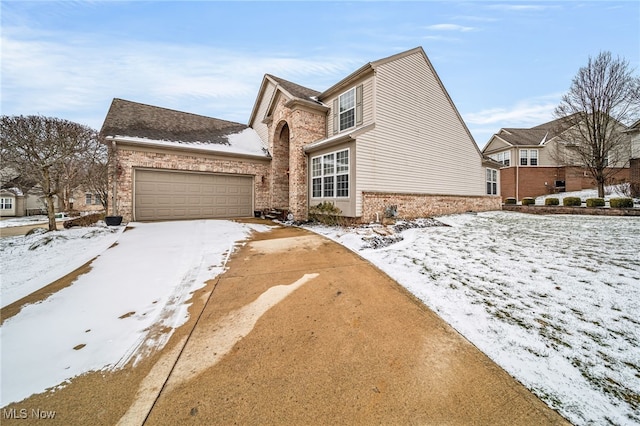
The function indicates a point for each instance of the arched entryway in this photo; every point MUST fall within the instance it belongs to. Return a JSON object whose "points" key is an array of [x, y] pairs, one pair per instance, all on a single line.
{"points": [[280, 167]]}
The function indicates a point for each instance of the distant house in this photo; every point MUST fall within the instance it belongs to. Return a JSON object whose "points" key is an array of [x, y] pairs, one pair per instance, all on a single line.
{"points": [[386, 138], [538, 161], [634, 162]]}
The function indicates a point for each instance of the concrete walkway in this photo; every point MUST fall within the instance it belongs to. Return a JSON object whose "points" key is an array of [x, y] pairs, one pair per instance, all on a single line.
{"points": [[301, 331]]}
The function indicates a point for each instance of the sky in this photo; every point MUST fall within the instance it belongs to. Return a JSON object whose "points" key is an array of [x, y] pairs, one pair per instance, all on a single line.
{"points": [[504, 63]]}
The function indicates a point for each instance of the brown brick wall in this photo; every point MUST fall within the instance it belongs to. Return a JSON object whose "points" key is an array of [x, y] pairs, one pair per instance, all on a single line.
{"points": [[411, 206], [634, 170], [305, 126], [536, 181], [129, 158]]}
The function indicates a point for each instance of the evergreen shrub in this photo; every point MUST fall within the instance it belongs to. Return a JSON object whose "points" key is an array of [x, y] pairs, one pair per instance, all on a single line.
{"points": [[621, 203], [572, 201]]}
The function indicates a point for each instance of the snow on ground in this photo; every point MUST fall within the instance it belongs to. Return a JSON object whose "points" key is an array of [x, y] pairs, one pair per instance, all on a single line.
{"points": [[554, 300], [111, 314], [612, 191], [31, 262], [8, 222]]}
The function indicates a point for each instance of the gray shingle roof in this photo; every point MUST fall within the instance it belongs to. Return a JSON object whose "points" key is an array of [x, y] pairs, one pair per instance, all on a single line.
{"points": [[132, 119], [522, 136], [295, 89], [535, 135]]}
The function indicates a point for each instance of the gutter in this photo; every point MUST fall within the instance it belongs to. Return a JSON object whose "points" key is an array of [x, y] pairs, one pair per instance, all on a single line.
{"points": [[114, 209], [185, 147]]}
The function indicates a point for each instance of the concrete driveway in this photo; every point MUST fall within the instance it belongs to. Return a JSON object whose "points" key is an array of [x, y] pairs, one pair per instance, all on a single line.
{"points": [[300, 330]]}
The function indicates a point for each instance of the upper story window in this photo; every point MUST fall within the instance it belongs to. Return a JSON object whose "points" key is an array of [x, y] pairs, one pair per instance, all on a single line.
{"points": [[347, 102], [528, 157], [347, 109], [330, 175], [503, 158]]}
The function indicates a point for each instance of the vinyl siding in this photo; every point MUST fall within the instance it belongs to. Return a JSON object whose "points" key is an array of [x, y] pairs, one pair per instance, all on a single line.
{"points": [[495, 144], [257, 124], [419, 144], [367, 104]]}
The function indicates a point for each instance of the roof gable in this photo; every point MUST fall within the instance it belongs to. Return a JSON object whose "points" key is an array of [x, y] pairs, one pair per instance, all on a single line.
{"points": [[295, 93]]}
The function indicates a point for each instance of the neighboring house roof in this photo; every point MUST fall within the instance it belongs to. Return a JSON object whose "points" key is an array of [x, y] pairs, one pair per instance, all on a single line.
{"points": [[523, 137], [143, 124], [537, 135]]}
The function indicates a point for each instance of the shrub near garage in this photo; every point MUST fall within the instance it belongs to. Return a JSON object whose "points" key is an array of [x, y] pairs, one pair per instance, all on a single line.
{"points": [[595, 202], [528, 201], [572, 201], [511, 201], [621, 203], [551, 201]]}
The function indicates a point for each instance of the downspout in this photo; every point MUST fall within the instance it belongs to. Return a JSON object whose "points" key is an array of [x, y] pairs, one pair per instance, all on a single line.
{"points": [[114, 210], [517, 157]]}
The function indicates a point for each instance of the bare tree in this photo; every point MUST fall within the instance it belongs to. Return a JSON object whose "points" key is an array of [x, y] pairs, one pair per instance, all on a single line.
{"points": [[603, 97], [44, 148], [96, 174]]}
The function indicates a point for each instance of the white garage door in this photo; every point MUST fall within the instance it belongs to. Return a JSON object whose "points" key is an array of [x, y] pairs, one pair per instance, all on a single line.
{"points": [[168, 195]]}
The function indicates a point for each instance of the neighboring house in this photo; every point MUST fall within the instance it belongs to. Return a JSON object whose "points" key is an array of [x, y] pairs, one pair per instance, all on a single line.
{"points": [[634, 163], [537, 161], [85, 201], [11, 203], [385, 138]]}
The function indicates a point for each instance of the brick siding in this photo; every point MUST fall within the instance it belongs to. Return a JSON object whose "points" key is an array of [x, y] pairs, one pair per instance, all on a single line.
{"points": [[129, 158], [411, 206], [536, 181], [305, 126]]}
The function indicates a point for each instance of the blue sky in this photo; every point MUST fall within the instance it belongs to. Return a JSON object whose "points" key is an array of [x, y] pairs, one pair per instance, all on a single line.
{"points": [[504, 63]]}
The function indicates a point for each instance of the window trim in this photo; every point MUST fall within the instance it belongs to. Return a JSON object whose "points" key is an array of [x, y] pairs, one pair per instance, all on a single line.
{"points": [[491, 178], [528, 158], [352, 108], [328, 175], [6, 203]]}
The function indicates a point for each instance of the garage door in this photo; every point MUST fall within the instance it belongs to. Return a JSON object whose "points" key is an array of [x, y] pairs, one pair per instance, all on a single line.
{"points": [[167, 195]]}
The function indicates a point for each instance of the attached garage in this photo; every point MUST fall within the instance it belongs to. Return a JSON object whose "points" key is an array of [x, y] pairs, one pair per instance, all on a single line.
{"points": [[173, 195]]}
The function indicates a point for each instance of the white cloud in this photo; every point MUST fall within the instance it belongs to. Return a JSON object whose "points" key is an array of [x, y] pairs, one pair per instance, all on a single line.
{"points": [[522, 7], [449, 27], [526, 113], [66, 76]]}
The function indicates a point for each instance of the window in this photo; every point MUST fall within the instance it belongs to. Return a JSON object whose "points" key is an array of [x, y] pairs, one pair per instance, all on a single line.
{"points": [[528, 157], [524, 159], [6, 203], [492, 182], [87, 199], [316, 177], [330, 175], [347, 104], [503, 158], [347, 109]]}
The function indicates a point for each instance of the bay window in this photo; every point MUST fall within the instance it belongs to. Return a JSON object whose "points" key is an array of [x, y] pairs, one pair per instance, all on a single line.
{"points": [[330, 175]]}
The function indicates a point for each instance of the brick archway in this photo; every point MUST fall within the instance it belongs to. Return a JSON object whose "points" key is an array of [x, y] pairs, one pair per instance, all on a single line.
{"points": [[280, 166]]}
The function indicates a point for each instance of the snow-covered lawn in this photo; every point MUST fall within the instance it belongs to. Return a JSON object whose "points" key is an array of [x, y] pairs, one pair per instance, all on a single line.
{"points": [[554, 300], [140, 282]]}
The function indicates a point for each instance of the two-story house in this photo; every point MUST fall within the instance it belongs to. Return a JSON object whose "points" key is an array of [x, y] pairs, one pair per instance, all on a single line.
{"points": [[539, 160], [384, 136]]}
